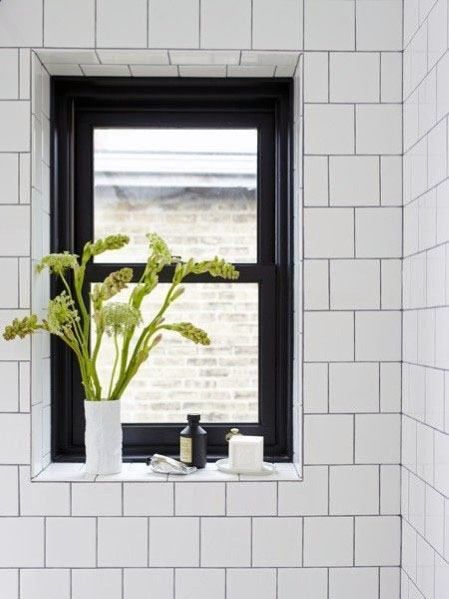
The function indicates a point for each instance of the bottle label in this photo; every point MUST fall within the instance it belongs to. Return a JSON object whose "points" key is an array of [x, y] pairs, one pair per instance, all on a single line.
{"points": [[185, 449]]}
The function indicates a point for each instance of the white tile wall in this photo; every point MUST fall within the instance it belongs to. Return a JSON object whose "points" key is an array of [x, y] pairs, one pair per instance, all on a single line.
{"points": [[89, 584], [121, 25], [353, 582], [122, 542], [119, 539], [166, 32], [277, 26], [313, 582], [45, 584], [21, 23], [354, 180], [329, 541], [234, 546], [354, 77], [160, 581], [201, 583], [329, 128], [277, 542], [379, 25], [329, 25], [237, 16], [69, 23], [148, 500], [70, 542], [244, 583], [354, 387], [309, 498], [354, 490], [97, 500], [250, 499], [22, 542], [184, 552], [370, 536], [425, 440]]}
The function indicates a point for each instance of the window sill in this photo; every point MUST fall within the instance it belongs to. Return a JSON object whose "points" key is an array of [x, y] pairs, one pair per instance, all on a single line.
{"points": [[140, 472]]}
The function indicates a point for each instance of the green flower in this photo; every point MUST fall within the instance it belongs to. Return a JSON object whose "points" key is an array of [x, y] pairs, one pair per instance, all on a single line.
{"points": [[61, 315], [159, 248], [216, 267], [119, 318], [21, 327], [189, 331], [219, 268], [113, 284], [111, 242], [58, 263]]}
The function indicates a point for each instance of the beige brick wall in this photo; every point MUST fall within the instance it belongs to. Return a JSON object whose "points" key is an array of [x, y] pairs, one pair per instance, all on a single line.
{"points": [[219, 381]]}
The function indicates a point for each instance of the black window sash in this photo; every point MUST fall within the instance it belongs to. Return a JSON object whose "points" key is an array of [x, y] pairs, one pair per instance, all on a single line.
{"points": [[73, 207]]}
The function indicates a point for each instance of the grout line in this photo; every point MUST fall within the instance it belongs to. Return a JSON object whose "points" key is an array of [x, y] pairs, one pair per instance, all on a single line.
{"points": [[200, 23], [353, 540], [95, 23], [148, 22], [380, 488], [200, 530], [149, 542]]}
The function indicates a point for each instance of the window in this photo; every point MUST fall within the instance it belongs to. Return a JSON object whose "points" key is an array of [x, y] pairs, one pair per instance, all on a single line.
{"points": [[206, 164]]}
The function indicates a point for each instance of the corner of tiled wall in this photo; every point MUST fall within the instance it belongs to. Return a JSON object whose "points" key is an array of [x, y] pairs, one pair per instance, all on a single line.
{"points": [[425, 423], [336, 532]]}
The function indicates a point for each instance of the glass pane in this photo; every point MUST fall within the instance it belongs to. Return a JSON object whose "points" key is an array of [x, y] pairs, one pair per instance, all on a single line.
{"points": [[194, 187], [220, 381]]}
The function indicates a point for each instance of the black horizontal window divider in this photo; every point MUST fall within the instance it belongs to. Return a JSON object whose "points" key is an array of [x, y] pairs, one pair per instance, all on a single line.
{"points": [[79, 105]]}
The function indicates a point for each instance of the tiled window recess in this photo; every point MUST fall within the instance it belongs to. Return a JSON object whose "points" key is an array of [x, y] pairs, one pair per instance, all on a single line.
{"points": [[336, 534]]}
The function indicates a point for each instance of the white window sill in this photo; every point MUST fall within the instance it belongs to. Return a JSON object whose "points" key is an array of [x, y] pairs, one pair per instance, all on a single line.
{"points": [[140, 472]]}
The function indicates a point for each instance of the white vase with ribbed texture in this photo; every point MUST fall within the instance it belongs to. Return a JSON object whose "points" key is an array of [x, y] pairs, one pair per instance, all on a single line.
{"points": [[104, 437]]}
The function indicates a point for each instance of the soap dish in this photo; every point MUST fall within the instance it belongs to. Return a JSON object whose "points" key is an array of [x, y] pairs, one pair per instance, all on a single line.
{"points": [[267, 469]]}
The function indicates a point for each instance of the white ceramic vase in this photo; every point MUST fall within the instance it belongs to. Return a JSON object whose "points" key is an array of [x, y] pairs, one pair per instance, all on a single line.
{"points": [[103, 437]]}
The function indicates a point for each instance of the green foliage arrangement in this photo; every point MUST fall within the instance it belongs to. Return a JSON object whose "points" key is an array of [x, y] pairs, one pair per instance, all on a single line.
{"points": [[68, 317]]}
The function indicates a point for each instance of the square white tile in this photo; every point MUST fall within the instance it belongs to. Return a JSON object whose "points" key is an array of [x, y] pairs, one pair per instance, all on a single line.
{"points": [[173, 24], [70, 542], [121, 25], [354, 77], [329, 24], [91, 584], [237, 16], [243, 583], [277, 26], [251, 499], [142, 499], [354, 490], [277, 542], [225, 542], [200, 583], [22, 542], [200, 499], [95, 499], [45, 584], [122, 542], [377, 541], [160, 581], [328, 541], [69, 24], [182, 554], [307, 498]]}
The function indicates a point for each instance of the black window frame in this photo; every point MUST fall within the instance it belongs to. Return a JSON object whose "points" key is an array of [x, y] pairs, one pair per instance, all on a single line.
{"points": [[78, 104]]}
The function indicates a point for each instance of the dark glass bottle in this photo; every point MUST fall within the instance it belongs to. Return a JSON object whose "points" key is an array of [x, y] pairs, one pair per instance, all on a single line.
{"points": [[193, 443]]}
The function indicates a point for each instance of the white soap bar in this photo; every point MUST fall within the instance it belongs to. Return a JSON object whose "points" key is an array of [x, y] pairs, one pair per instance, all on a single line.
{"points": [[246, 453]]}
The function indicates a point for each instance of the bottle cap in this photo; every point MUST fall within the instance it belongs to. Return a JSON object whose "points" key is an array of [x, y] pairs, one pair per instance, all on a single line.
{"points": [[193, 418], [232, 433]]}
